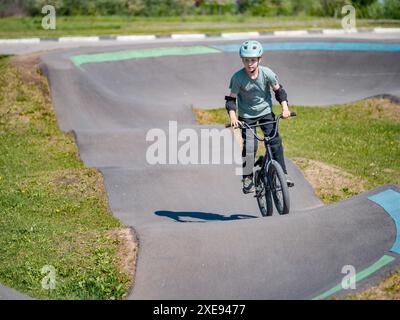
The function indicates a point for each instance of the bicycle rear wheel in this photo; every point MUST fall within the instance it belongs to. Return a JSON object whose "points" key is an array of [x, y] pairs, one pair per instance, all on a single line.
{"points": [[279, 188], [263, 195]]}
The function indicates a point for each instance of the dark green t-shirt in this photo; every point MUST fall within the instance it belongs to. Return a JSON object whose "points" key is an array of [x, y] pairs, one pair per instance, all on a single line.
{"points": [[253, 96]]}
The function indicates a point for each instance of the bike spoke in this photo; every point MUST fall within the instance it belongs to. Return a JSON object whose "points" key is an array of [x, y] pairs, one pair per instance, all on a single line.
{"points": [[277, 189], [262, 197]]}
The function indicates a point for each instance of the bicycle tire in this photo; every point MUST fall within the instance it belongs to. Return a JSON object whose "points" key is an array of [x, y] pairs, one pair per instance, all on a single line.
{"points": [[264, 199], [279, 188]]}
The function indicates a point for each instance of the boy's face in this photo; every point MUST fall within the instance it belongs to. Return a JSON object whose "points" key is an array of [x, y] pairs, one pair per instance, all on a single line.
{"points": [[251, 64]]}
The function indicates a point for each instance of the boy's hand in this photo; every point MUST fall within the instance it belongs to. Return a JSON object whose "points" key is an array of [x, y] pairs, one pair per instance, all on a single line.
{"points": [[235, 123], [285, 113], [285, 110]]}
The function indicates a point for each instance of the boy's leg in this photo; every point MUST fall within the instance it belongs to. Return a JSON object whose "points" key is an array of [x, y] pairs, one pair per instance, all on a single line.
{"points": [[276, 143], [249, 149]]}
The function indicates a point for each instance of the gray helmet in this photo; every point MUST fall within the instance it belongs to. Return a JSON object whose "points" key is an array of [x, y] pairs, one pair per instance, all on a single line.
{"points": [[251, 49]]}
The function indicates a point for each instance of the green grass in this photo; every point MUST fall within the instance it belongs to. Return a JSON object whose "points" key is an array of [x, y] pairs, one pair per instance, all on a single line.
{"points": [[53, 211], [361, 138], [348, 137], [389, 289], [20, 27]]}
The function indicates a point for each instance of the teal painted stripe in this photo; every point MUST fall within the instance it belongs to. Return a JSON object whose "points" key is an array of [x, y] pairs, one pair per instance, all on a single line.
{"points": [[78, 60], [320, 46], [390, 201], [383, 261]]}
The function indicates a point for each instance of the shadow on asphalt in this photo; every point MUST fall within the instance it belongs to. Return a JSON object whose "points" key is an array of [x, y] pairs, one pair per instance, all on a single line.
{"points": [[187, 216]]}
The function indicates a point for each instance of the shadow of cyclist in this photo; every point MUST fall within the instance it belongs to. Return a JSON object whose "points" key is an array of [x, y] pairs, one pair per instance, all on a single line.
{"points": [[200, 216]]}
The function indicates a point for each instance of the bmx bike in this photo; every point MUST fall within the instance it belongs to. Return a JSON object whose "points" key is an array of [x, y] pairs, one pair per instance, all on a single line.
{"points": [[269, 178]]}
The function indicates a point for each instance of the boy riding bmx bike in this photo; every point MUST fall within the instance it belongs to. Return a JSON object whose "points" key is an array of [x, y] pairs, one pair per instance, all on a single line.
{"points": [[250, 93]]}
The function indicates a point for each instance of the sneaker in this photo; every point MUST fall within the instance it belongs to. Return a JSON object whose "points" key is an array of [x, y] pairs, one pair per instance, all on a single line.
{"points": [[289, 181], [248, 185]]}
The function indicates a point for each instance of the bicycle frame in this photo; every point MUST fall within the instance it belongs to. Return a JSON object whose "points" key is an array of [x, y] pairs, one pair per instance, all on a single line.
{"points": [[268, 152]]}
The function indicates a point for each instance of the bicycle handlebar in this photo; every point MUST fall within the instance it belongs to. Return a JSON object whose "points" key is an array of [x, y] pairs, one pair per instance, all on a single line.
{"points": [[246, 126]]}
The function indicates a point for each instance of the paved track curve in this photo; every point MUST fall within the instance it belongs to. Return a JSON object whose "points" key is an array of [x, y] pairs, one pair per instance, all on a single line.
{"points": [[200, 237]]}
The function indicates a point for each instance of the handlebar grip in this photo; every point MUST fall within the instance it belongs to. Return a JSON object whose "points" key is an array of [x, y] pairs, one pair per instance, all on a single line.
{"points": [[228, 125], [293, 114]]}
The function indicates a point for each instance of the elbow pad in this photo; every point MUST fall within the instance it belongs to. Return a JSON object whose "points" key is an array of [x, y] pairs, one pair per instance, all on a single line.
{"points": [[230, 103], [280, 94]]}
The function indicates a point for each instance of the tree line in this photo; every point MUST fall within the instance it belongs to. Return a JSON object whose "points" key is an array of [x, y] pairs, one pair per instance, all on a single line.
{"points": [[370, 9]]}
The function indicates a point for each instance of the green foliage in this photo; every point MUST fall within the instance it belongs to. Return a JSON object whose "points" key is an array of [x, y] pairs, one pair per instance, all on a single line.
{"points": [[332, 8], [87, 7], [363, 7], [5, 8], [306, 7], [166, 8], [217, 7], [375, 9], [391, 9], [111, 7]]}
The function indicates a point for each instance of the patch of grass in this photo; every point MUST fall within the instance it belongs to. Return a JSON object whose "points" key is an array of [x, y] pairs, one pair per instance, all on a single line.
{"points": [[361, 138], [389, 289], [330, 182], [53, 210], [20, 27]]}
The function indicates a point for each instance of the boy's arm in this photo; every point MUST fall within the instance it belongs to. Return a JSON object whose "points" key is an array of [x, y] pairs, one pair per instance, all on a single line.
{"points": [[230, 106], [281, 97]]}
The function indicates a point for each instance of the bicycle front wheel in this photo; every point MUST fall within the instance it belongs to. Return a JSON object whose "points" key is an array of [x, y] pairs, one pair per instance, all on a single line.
{"points": [[279, 188], [263, 195]]}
